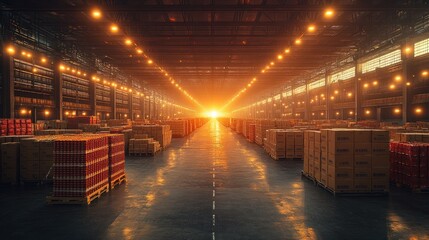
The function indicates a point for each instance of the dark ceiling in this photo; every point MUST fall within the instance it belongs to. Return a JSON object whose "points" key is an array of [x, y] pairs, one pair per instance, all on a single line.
{"points": [[215, 47]]}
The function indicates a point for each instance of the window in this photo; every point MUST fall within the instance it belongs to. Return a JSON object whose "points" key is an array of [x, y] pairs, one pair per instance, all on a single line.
{"points": [[382, 61], [288, 93], [277, 97], [343, 75], [421, 48], [299, 89], [269, 99], [316, 84]]}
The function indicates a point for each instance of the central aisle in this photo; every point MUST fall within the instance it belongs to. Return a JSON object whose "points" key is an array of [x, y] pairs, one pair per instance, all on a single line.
{"points": [[211, 185]]}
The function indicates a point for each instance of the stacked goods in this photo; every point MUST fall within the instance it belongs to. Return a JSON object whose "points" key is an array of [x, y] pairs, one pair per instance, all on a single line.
{"points": [[57, 132], [81, 168], [15, 127], [55, 124], [118, 122], [251, 133], [357, 159], [179, 128], [246, 128], [73, 122], [91, 128], [310, 153], [143, 146], [10, 162], [239, 126], [282, 143], [36, 159], [283, 124], [413, 137], [261, 126], [409, 165], [233, 123], [6, 139], [116, 159], [161, 133]]}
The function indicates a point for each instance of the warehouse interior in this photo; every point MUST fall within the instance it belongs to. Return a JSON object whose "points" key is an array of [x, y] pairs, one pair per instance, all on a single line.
{"points": [[214, 119]]}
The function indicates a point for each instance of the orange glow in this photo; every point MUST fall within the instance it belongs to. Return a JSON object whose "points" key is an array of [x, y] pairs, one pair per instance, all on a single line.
{"points": [[425, 73], [149, 61], [96, 13], [375, 83], [10, 50], [287, 50], [408, 50], [43, 60], [392, 86], [139, 51], [311, 28], [367, 112], [408, 84], [128, 42], [298, 41], [397, 110], [114, 28], [349, 94], [271, 63], [329, 13], [418, 110], [279, 57], [398, 78], [366, 85]]}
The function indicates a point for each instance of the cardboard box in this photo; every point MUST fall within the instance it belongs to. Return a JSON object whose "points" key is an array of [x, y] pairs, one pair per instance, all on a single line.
{"points": [[380, 148], [362, 184], [299, 139], [324, 146], [341, 160], [324, 135], [324, 178], [341, 135], [10, 162], [340, 148], [380, 185], [317, 137], [324, 167], [340, 173], [380, 172], [341, 184], [362, 173], [380, 161], [363, 161], [362, 148], [380, 136], [362, 136]]}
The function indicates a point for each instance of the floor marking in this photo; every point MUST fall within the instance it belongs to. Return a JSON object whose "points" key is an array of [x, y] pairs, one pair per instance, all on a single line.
{"points": [[214, 236], [214, 220], [214, 175], [214, 193], [214, 185]]}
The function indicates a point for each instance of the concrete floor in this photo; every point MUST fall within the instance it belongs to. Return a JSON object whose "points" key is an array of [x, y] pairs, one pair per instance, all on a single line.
{"points": [[215, 185]]}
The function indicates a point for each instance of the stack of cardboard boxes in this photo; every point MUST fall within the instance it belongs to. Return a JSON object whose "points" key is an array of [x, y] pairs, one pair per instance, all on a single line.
{"points": [[36, 159], [348, 160], [251, 133], [74, 122], [261, 126], [179, 128], [10, 162], [283, 143], [141, 144], [160, 133], [413, 137]]}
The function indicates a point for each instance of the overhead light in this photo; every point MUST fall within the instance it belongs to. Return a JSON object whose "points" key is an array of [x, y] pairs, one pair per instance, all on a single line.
{"points": [[425, 73], [47, 112], [139, 51], [298, 41], [10, 50], [392, 86], [397, 110], [349, 94], [366, 85], [311, 28], [408, 50], [96, 13], [336, 92], [43, 60], [332, 98], [375, 83], [351, 113], [279, 57], [272, 63], [398, 78], [149, 61], [62, 67], [329, 13], [263, 71], [418, 110], [367, 112], [128, 42], [337, 113], [34, 70], [23, 111], [114, 28], [408, 84], [287, 50]]}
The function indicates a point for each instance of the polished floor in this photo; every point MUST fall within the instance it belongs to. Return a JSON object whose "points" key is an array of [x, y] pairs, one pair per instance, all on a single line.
{"points": [[214, 185]]}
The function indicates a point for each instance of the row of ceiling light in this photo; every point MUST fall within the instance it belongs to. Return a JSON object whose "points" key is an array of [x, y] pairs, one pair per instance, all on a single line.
{"points": [[328, 13], [115, 29]]}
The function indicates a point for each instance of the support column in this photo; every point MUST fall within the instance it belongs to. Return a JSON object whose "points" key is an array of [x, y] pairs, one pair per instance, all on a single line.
{"points": [[113, 102], [407, 93], [358, 92], [8, 94], [58, 94], [92, 98], [328, 97], [307, 102]]}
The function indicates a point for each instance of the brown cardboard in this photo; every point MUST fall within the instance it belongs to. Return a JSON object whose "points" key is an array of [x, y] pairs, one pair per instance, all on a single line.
{"points": [[362, 173], [341, 160], [317, 136], [362, 136], [340, 185], [379, 185], [362, 148], [340, 173], [362, 184], [380, 173], [340, 148], [380, 136], [341, 135], [324, 178], [380, 148], [362, 161], [380, 161], [324, 146], [324, 135]]}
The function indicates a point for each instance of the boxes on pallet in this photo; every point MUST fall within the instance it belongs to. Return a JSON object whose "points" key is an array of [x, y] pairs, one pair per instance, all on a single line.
{"points": [[260, 130], [179, 128], [73, 122], [36, 159], [116, 155], [160, 133], [284, 143], [10, 162], [80, 166]]}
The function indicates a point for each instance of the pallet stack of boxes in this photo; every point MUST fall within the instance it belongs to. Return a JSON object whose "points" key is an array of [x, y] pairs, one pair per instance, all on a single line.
{"points": [[160, 133], [142, 144], [251, 133], [81, 168], [284, 143], [261, 126], [348, 160], [78, 121], [179, 128], [116, 158], [36, 159], [10, 127], [410, 165], [10, 162]]}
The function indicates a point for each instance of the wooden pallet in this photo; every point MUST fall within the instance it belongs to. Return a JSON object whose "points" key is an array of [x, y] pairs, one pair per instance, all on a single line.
{"points": [[117, 181], [78, 200], [306, 175], [143, 154], [352, 194]]}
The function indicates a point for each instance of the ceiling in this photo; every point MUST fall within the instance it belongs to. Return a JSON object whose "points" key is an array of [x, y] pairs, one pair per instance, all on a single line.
{"points": [[214, 48]]}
